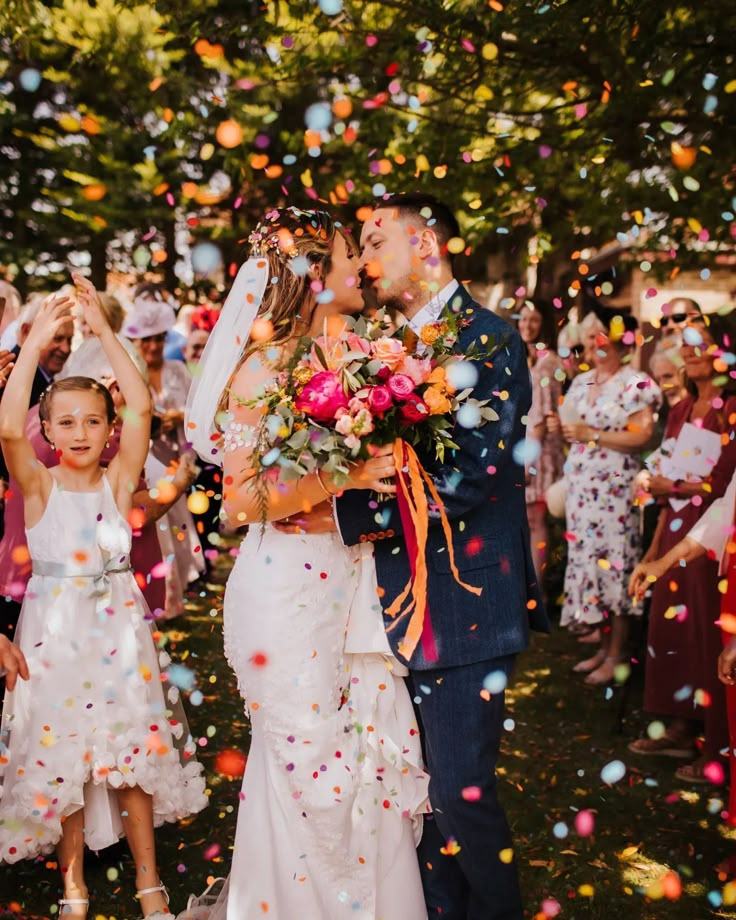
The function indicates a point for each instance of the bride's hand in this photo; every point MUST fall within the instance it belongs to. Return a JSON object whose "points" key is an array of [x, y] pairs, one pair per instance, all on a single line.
{"points": [[373, 473], [318, 520]]}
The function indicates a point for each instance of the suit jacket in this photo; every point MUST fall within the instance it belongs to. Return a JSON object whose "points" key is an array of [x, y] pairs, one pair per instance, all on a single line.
{"points": [[482, 488]]}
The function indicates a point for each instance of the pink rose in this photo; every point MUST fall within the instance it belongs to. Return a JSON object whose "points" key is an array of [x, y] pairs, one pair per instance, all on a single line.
{"points": [[400, 385], [322, 397], [380, 399], [418, 369], [390, 352], [356, 343], [413, 410]]}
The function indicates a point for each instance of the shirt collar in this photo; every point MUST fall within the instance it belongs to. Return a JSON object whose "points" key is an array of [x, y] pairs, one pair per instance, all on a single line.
{"points": [[432, 309]]}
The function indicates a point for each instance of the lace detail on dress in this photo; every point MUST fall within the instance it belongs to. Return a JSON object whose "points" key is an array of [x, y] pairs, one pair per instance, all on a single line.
{"points": [[236, 436]]}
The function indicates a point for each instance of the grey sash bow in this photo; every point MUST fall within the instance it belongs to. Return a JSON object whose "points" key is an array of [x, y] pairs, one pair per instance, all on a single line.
{"points": [[101, 588]]}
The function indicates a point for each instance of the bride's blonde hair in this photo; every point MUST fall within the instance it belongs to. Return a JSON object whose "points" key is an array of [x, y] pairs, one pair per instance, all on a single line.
{"points": [[297, 245]]}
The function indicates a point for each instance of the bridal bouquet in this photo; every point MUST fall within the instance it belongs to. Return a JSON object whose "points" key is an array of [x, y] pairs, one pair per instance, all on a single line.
{"points": [[340, 395]]}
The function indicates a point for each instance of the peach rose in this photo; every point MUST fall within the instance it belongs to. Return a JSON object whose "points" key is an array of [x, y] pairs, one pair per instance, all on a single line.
{"points": [[390, 352]]}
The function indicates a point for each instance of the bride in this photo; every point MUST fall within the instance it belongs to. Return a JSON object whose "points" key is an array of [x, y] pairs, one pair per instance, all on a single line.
{"points": [[334, 788]]}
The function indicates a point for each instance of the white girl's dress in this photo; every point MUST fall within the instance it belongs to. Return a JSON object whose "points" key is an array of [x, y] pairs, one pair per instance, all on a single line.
{"points": [[334, 788], [95, 715]]}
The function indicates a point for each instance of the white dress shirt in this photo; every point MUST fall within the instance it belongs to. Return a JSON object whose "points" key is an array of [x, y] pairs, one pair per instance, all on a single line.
{"points": [[431, 310]]}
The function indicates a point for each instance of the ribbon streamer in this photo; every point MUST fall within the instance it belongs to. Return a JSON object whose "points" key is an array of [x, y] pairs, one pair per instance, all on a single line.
{"points": [[414, 510]]}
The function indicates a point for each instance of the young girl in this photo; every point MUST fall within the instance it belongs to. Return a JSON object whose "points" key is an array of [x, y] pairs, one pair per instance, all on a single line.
{"points": [[90, 748]]}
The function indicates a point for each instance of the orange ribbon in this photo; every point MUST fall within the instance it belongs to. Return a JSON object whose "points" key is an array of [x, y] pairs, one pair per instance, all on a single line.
{"points": [[411, 478]]}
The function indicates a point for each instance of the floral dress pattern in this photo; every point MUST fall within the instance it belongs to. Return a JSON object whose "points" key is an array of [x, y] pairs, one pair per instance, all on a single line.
{"points": [[603, 542]]}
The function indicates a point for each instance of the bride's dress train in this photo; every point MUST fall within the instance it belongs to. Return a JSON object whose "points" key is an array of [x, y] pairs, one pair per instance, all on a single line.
{"points": [[334, 789]]}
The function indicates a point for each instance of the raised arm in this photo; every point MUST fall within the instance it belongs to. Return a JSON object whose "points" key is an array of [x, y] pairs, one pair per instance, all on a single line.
{"points": [[248, 502], [32, 477], [125, 468]]}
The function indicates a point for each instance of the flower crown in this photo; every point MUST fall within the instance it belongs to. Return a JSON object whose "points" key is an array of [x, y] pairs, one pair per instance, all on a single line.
{"points": [[271, 236]]}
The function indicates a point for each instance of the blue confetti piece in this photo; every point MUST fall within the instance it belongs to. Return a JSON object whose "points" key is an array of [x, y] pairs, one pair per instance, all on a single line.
{"points": [[613, 772]]}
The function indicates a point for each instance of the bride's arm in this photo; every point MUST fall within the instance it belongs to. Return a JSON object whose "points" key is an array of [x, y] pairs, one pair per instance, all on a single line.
{"points": [[242, 495]]}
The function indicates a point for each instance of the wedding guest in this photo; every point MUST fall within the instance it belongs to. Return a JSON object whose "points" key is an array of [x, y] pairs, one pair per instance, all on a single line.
{"points": [[591, 326], [205, 506], [196, 340], [676, 314], [9, 313], [114, 313], [169, 382], [53, 357], [570, 349], [614, 406], [667, 368], [682, 644], [537, 329], [176, 337]]}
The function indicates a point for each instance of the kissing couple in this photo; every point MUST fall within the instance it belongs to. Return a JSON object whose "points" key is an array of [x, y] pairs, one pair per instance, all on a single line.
{"points": [[370, 790]]}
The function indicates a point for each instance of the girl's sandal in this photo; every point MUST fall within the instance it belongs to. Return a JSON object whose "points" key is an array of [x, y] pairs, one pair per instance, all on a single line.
{"points": [[157, 914]]}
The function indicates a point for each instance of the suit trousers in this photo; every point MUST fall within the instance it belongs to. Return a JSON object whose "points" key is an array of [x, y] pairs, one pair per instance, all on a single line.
{"points": [[468, 870]]}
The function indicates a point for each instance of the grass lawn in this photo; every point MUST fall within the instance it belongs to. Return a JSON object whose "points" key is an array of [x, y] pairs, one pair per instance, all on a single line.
{"points": [[651, 838]]}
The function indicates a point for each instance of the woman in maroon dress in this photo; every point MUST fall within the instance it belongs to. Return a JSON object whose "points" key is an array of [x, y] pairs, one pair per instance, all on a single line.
{"points": [[683, 642]]}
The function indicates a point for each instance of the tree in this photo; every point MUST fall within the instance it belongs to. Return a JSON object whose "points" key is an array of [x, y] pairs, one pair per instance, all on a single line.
{"points": [[560, 122]]}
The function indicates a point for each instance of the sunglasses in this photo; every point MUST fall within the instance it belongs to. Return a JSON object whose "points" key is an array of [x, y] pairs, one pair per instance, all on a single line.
{"points": [[159, 337], [680, 318]]}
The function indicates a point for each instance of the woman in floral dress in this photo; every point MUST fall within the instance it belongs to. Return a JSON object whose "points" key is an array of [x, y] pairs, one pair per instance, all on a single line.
{"points": [[543, 426], [614, 404]]}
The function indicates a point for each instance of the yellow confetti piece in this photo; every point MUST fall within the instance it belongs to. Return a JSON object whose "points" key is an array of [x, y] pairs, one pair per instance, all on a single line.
{"points": [[604, 564], [506, 855], [586, 891], [729, 894]]}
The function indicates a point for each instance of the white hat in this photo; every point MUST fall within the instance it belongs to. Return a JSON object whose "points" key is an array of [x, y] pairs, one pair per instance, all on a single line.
{"points": [[148, 316]]}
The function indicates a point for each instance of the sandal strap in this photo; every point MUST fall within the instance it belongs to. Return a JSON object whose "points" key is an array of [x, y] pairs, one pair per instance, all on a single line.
{"points": [[160, 887], [63, 901]]}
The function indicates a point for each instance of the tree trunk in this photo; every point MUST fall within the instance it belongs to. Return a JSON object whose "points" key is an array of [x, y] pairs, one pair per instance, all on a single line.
{"points": [[98, 265]]}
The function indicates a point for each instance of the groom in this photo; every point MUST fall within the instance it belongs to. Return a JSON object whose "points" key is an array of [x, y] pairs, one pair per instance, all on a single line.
{"points": [[469, 642]]}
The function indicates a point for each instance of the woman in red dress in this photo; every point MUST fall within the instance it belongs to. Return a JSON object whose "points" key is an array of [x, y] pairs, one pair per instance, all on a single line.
{"points": [[681, 681]]}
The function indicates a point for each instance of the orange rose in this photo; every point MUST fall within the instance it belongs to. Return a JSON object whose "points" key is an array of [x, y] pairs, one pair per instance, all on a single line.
{"points": [[438, 403], [438, 378], [429, 334]]}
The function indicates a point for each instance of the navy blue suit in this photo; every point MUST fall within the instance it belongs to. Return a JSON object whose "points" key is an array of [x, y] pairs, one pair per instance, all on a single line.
{"points": [[482, 488]]}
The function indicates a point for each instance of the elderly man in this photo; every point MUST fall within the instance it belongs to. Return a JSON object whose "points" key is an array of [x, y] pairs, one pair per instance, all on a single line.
{"points": [[53, 357]]}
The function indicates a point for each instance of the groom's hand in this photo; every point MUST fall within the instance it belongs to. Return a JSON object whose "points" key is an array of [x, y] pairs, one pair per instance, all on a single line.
{"points": [[318, 520]]}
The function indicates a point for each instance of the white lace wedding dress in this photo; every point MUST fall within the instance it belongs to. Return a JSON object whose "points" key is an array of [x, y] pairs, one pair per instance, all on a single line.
{"points": [[334, 788]]}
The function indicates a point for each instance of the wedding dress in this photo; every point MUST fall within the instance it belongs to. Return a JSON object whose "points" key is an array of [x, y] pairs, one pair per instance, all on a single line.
{"points": [[334, 788]]}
